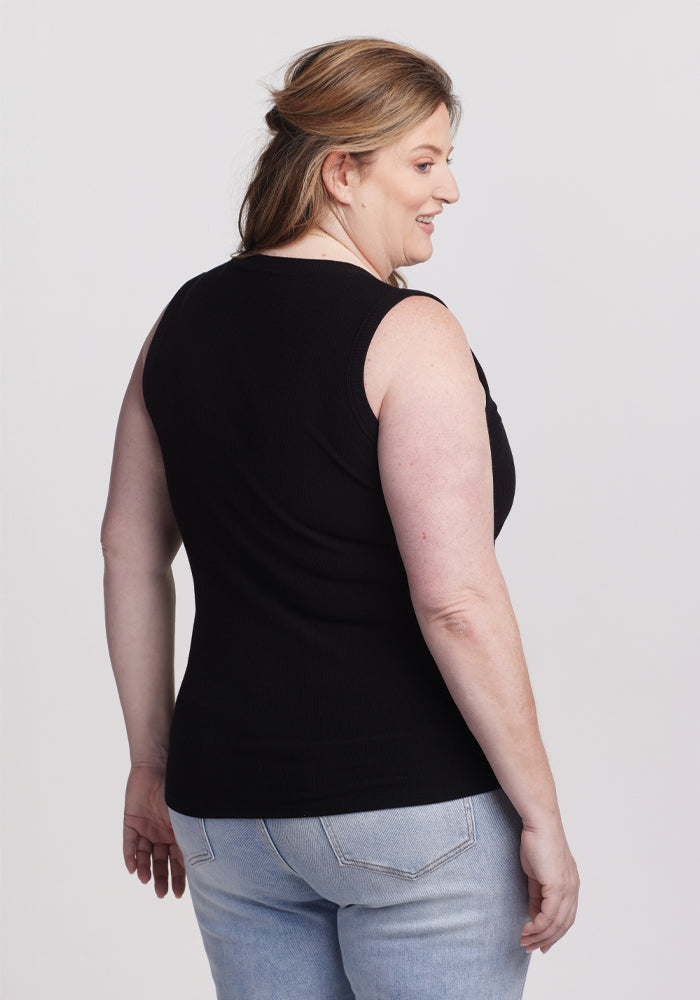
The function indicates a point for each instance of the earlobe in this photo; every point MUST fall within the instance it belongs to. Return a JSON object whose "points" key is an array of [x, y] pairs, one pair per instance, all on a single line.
{"points": [[338, 173]]}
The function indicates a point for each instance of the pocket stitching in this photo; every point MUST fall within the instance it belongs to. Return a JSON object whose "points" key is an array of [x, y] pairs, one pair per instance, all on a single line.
{"points": [[273, 847], [207, 854], [347, 862]]}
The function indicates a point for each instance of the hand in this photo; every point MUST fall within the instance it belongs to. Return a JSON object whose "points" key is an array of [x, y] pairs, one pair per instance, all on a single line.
{"points": [[148, 833], [553, 885]]}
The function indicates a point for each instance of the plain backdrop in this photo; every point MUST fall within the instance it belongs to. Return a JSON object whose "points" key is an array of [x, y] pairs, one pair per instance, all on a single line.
{"points": [[572, 262]]}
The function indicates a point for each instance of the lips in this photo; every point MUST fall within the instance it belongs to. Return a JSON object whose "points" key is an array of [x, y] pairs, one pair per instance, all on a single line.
{"points": [[426, 224]]}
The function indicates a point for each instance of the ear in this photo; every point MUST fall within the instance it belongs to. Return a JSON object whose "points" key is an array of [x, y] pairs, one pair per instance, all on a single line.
{"points": [[340, 173]]}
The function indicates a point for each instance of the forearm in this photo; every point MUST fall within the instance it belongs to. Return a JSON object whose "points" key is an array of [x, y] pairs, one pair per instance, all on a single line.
{"points": [[140, 619], [479, 653]]}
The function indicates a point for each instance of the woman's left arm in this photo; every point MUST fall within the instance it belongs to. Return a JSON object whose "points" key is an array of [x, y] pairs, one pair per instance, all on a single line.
{"points": [[140, 538]]}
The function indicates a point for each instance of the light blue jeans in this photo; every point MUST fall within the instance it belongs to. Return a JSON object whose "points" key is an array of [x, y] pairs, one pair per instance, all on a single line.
{"points": [[417, 903]]}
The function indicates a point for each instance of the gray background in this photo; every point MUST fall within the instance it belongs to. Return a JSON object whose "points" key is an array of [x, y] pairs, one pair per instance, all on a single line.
{"points": [[572, 263]]}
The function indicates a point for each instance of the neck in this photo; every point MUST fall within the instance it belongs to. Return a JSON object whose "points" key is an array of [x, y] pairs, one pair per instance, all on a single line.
{"points": [[331, 229], [322, 242]]}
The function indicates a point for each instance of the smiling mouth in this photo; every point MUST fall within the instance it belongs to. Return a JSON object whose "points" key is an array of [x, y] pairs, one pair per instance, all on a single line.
{"points": [[426, 223]]}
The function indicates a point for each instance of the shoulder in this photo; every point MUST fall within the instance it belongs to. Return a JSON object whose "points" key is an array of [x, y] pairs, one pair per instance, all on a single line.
{"points": [[203, 284], [413, 308], [418, 341], [188, 294], [417, 326]]}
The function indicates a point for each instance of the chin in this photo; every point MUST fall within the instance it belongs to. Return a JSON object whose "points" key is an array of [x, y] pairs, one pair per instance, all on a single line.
{"points": [[419, 257]]}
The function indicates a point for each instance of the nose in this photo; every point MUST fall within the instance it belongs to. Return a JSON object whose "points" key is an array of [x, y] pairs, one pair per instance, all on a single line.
{"points": [[447, 190]]}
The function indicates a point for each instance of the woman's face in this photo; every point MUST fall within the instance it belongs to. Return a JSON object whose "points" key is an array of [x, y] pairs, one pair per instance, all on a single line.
{"points": [[405, 181]]}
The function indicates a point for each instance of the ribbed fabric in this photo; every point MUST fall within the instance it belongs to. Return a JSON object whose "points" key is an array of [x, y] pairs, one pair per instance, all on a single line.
{"points": [[309, 689]]}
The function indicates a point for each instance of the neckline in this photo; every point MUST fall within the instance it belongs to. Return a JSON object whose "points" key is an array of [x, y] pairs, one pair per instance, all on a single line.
{"points": [[279, 262]]}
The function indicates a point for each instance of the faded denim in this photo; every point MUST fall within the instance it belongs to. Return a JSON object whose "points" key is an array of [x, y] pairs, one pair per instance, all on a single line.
{"points": [[417, 903]]}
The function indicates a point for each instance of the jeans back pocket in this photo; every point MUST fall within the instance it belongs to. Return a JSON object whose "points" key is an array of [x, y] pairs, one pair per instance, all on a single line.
{"points": [[192, 839], [407, 842]]}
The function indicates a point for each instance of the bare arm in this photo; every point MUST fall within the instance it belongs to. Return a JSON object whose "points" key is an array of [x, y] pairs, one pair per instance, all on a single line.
{"points": [[435, 465], [140, 538]]}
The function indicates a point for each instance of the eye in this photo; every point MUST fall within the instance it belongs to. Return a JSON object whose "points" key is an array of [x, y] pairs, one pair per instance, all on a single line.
{"points": [[424, 168]]}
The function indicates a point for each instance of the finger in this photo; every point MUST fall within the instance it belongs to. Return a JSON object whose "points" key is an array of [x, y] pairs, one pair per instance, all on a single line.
{"points": [[143, 859], [555, 931], [177, 871], [537, 932], [130, 839], [160, 869], [569, 919], [550, 905], [556, 936], [537, 926]]}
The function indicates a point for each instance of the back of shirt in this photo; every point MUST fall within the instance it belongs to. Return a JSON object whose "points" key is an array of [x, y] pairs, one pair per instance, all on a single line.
{"points": [[309, 688]]}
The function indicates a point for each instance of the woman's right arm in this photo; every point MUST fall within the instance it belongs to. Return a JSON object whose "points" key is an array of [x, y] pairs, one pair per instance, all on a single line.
{"points": [[435, 466]]}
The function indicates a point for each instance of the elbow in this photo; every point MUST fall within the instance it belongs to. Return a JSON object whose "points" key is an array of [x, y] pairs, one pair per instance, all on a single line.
{"points": [[116, 538], [109, 539], [462, 620], [457, 621], [136, 550], [466, 616], [116, 552]]}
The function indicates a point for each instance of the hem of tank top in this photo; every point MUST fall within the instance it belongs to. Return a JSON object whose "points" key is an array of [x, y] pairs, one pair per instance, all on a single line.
{"points": [[327, 805]]}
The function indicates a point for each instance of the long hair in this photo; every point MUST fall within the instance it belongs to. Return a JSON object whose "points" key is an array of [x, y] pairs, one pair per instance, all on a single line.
{"points": [[354, 95]]}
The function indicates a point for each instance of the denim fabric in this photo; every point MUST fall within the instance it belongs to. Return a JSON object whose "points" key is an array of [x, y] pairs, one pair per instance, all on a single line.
{"points": [[417, 903]]}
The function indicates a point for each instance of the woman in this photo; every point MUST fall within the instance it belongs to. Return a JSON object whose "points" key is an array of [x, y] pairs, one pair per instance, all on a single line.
{"points": [[354, 776]]}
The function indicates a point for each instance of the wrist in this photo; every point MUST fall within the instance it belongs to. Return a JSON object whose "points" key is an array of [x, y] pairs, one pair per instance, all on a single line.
{"points": [[152, 764], [543, 818], [148, 752], [538, 807]]}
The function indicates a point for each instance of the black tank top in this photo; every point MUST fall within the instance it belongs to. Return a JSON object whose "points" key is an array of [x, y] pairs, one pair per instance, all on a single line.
{"points": [[309, 688]]}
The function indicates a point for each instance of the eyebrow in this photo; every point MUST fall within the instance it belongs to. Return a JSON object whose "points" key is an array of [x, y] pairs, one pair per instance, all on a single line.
{"points": [[432, 149]]}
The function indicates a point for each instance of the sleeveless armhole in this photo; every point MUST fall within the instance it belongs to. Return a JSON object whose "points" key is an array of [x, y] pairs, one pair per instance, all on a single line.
{"points": [[359, 404], [176, 302]]}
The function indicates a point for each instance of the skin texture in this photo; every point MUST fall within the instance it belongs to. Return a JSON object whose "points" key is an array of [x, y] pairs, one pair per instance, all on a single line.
{"points": [[435, 467], [373, 222]]}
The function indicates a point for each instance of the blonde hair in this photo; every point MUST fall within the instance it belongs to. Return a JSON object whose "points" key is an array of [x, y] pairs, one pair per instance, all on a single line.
{"points": [[354, 95]]}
